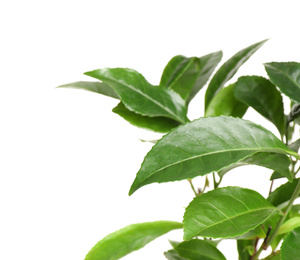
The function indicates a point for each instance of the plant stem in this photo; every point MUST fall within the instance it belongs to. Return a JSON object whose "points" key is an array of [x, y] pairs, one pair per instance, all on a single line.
{"points": [[281, 220], [271, 186], [193, 188]]}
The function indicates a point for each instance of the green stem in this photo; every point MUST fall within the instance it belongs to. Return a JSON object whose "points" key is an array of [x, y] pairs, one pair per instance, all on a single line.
{"points": [[281, 220], [193, 188]]}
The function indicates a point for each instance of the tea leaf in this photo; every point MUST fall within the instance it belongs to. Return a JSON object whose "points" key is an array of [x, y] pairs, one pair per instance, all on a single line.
{"points": [[262, 95], [203, 146], [187, 76], [140, 96], [228, 69], [290, 248], [225, 212], [285, 75], [156, 124], [128, 239]]}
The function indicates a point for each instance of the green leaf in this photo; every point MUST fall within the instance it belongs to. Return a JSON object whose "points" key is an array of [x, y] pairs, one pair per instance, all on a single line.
{"points": [[263, 96], [258, 232], [225, 103], [140, 96], [97, 87], [187, 76], [278, 162], [290, 249], [173, 255], [289, 225], [225, 212], [128, 239], [245, 247], [228, 69], [285, 75], [203, 146], [199, 249], [276, 175], [282, 193], [156, 124], [295, 146]]}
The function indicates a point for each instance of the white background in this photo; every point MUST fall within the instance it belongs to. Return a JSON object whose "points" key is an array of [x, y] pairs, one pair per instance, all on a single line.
{"points": [[67, 161]]}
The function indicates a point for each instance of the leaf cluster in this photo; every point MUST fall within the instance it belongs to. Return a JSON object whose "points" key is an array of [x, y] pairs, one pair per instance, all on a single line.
{"points": [[212, 145]]}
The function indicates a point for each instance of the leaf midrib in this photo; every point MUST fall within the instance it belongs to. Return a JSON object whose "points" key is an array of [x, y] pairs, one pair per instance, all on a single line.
{"points": [[236, 216]]}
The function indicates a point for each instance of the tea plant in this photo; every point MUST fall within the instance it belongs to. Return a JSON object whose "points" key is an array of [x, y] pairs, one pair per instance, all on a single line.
{"points": [[213, 144]]}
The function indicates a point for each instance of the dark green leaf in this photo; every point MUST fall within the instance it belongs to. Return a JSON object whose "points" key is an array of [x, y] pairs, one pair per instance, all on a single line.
{"points": [[262, 95], [173, 255], [225, 212], [290, 249], [244, 249], [228, 69], [282, 193], [129, 239], [187, 76], [140, 96], [286, 75], [203, 146], [199, 249], [274, 161], [98, 87], [156, 124], [225, 103]]}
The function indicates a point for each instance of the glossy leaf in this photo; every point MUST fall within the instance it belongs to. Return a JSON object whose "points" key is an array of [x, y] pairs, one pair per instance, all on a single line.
{"points": [[187, 76], [278, 162], [290, 249], [282, 193], [228, 70], [225, 103], [225, 212], [203, 146], [245, 249], [263, 96], [199, 249], [285, 75], [156, 124], [129, 239], [140, 96], [97, 87], [173, 255], [289, 225]]}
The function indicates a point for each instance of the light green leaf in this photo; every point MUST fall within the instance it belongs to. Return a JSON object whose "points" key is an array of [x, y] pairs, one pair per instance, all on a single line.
{"points": [[258, 232], [225, 103], [263, 96], [199, 249], [226, 212], [274, 256], [97, 87], [187, 76], [245, 249], [128, 239], [275, 161], [139, 96], [203, 146], [156, 124], [282, 193], [289, 225], [173, 255], [285, 75], [228, 69], [290, 248]]}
